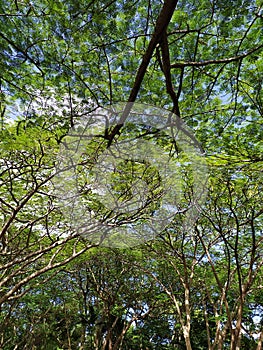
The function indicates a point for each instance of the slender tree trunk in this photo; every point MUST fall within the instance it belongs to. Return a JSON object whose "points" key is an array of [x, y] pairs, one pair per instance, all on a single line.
{"points": [[207, 326], [260, 341], [187, 339], [236, 333], [187, 327]]}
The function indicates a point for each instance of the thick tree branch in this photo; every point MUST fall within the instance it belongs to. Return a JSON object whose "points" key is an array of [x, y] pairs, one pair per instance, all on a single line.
{"points": [[166, 67], [161, 25]]}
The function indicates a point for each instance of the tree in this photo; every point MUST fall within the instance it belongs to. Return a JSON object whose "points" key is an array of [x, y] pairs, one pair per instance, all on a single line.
{"points": [[60, 62]]}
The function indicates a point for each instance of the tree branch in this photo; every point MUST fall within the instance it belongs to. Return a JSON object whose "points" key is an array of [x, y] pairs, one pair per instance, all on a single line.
{"points": [[161, 25], [208, 62]]}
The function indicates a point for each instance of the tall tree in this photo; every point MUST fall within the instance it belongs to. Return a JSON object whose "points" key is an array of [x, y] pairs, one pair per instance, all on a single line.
{"points": [[60, 61]]}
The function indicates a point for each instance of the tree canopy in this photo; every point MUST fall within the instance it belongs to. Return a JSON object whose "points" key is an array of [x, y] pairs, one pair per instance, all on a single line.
{"points": [[192, 287]]}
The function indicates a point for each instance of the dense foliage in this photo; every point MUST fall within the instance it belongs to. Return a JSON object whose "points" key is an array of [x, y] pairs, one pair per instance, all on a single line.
{"points": [[187, 289]]}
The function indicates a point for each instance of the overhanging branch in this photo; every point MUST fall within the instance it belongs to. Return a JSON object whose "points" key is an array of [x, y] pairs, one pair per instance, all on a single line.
{"points": [[210, 62], [160, 28]]}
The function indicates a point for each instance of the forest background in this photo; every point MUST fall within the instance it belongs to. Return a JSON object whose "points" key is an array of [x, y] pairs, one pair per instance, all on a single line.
{"points": [[196, 289]]}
